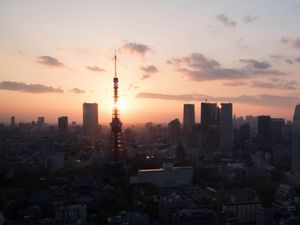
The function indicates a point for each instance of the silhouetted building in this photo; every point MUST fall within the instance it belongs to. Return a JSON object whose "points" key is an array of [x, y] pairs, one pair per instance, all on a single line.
{"points": [[264, 216], [295, 154], [12, 122], [63, 124], [90, 119], [188, 117], [40, 124], [174, 130], [226, 126], [243, 134], [210, 124], [210, 114], [264, 133], [277, 125]]}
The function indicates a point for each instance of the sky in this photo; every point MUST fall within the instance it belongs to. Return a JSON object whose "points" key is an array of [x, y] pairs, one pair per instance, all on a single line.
{"points": [[55, 55]]}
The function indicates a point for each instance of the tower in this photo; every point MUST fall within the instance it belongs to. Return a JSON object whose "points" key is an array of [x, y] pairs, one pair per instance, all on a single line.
{"points": [[116, 150], [63, 124]]}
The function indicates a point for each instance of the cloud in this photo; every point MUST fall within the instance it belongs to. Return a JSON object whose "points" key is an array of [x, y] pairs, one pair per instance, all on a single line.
{"points": [[249, 18], [30, 88], [288, 59], [293, 42], [262, 99], [77, 91], [226, 21], [149, 69], [95, 68], [49, 61], [133, 87], [276, 84], [200, 68], [261, 65], [146, 76], [136, 48], [234, 83]]}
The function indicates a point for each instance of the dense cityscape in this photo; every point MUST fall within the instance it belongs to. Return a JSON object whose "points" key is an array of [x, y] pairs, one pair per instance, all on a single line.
{"points": [[223, 170], [149, 112]]}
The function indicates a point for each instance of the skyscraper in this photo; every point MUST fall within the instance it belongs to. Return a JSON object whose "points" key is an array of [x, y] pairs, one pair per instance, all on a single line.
{"points": [[40, 124], [188, 117], [209, 114], [295, 154], [90, 119], [226, 126], [12, 122], [63, 124], [264, 133]]}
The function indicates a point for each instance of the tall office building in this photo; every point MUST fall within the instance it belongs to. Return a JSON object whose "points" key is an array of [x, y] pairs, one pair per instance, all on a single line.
{"points": [[90, 119], [63, 124], [188, 117], [40, 124], [226, 130], [174, 130], [295, 154], [264, 133], [210, 114], [12, 122]]}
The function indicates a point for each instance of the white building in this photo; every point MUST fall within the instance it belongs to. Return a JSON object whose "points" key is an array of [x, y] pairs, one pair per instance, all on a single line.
{"points": [[167, 176]]}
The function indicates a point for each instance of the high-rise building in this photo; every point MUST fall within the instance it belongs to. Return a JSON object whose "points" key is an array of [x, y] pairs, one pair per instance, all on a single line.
{"points": [[210, 114], [226, 131], [264, 133], [90, 119], [63, 124], [295, 154], [40, 124], [12, 122], [174, 130], [188, 117], [277, 126]]}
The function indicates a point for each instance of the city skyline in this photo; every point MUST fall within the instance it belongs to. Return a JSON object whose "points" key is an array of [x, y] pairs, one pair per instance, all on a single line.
{"points": [[52, 61]]}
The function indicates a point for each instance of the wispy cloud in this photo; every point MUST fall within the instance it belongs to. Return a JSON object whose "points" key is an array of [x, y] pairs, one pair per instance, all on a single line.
{"points": [[200, 68], [262, 99], [276, 84], [293, 42], [133, 87], [30, 88], [136, 48], [77, 91], [149, 69], [250, 18], [145, 76], [226, 21], [261, 65], [234, 83], [49, 61], [95, 69]]}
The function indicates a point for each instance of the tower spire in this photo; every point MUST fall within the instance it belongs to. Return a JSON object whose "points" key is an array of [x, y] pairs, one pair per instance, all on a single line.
{"points": [[115, 63]]}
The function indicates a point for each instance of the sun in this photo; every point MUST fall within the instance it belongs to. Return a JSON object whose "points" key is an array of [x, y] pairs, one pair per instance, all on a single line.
{"points": [[120, 105]]}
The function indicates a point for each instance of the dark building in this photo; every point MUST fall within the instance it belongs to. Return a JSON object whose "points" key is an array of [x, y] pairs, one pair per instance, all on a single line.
{"points": [[277, 125], [210, 125], [210, 114], [243, 135], [40, 124], [226, 130], [12, 122], [90, 119], [174, 130], [264, 134], [63, 124], [188, 117]]}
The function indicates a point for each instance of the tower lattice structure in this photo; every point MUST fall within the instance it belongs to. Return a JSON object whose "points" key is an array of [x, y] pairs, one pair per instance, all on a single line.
{"points": [[116, 146]]}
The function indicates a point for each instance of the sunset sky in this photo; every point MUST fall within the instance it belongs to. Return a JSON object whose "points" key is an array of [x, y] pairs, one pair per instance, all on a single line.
{"points": [[56, 55]]}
